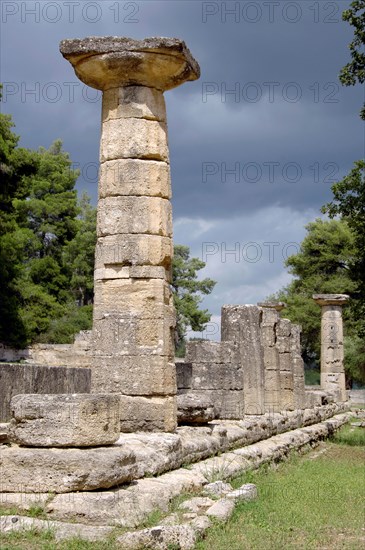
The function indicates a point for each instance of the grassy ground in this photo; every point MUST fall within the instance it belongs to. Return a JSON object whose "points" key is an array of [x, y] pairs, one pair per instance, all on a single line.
{"points": [[313, 501]]}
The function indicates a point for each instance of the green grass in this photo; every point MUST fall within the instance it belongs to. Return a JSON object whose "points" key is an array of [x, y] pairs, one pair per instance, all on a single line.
{"points": [[350, 435], [310, 502]]}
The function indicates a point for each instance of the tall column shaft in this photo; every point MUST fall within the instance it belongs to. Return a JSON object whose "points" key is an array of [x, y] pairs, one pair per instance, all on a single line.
{"points": [[241, 324], [133, 352], [133, 313], [332, 352]]}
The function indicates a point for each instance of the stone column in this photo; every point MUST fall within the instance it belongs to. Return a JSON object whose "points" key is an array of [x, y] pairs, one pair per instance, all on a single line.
{"points": [[298, 368], [332, 355], [133, 352], [270, 319], [241, 325]]}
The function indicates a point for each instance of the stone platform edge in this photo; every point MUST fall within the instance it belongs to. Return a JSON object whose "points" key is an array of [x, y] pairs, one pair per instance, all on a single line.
{"points": [[128, 507]]}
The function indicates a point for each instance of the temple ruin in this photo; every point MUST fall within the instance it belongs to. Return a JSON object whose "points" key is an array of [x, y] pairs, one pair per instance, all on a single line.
{"points": [[110, 414]]}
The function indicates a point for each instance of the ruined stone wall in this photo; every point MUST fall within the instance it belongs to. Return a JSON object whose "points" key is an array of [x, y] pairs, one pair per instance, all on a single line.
{"points": [[53, 355], [256, 368]]}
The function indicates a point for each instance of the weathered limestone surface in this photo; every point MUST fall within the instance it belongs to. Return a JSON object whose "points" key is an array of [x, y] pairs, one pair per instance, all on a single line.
{"points": [[61, 530], [74, 420], [298, 368], [134, 215], [16, 379], [129, 506], [148, 413], [32, 470], [160, 537], [269, 321], [155, 453], [228, 404], [114, 61], [241, 324], [221, 510], [332, 353], [135, 177], [24, 501], [133, 250], [133, 310], [194, 409]]}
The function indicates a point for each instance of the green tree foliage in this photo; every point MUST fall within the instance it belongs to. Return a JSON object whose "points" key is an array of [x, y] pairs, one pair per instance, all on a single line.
{"points": [[354, 71], [323, 266], [349, 203], [187, 293], [47, 244], [79, 253], [16, 165]]}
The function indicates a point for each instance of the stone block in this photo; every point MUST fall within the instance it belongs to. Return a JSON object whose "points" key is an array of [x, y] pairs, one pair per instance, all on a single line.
{"points": [[286, 381], [134, 138], [195, 409], [241, 324], [298, 366], [184, 373], [283, 327], [299, 392], [133, 298], [286, 362], [283, 344], [335, 382], [134, 375], [16, 379], [217, 376], [211, 352], [271, 358], [221, 510], [296, 331], [31, 470], [133, 250], [268, 336], [148, 414], [332, 358], [269, 317], [272, 381], [287, 400], [75, 420], [229, 404], [150, 272], [116, 335], [132, 272], [160, 537], [133, 102], [135, 177], [134, 215]]}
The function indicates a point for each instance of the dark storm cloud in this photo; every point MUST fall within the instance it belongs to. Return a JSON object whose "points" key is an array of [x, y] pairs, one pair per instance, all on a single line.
{"points": [[255, 144]]}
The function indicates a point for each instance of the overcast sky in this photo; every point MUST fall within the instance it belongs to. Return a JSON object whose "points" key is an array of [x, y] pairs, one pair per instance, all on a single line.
{"points": [[255, 144]]}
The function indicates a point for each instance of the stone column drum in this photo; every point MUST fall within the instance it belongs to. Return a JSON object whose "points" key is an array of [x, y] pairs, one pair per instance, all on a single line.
{"points": [[332, 354], [241, 325], [133, 352], [269, 321]]}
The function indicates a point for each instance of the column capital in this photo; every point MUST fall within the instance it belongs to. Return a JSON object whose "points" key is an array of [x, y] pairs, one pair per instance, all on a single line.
{"points": [[331, 299], [105, 62]]}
